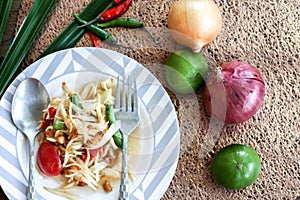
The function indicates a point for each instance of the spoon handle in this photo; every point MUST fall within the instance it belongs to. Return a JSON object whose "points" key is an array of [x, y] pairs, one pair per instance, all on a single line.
{"points": [[31, 193]]}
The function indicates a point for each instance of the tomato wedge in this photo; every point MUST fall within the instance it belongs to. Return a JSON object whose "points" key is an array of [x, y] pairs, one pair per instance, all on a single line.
{"points": [[48, 159]]}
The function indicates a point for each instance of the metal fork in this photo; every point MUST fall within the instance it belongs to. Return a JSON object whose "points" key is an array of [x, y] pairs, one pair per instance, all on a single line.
{"points": [[127, 118]]}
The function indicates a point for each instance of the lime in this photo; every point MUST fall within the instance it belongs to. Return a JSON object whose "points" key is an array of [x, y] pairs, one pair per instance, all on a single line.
{"points": [[236, 166], [185, 71]]}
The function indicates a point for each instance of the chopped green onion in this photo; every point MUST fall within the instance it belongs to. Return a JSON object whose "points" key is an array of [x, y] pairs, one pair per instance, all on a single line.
{"points": [[23, 40], [5, 6]]}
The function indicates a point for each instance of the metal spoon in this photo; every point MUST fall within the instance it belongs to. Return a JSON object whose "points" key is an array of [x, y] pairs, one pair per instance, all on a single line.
{"points": [[28, 103]]}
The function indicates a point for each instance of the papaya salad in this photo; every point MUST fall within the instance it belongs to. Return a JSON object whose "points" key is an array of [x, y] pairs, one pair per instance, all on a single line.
{"points": [[81, 141]]}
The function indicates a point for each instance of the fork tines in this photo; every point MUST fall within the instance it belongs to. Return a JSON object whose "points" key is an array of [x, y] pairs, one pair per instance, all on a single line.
{"points": [[126, 94]]}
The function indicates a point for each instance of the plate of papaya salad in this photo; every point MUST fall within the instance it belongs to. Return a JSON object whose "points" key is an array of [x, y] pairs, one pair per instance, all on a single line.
{"points": [[79, 146]]}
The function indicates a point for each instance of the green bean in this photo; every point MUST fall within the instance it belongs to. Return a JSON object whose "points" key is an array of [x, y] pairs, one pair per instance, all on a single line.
{"points": [[75, 100], [118, 138], [122, 22], [59, 124], [110, 114]]}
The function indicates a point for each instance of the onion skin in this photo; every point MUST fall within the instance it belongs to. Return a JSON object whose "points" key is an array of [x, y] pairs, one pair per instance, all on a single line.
{"points": [[235, 94], [194, 23]]}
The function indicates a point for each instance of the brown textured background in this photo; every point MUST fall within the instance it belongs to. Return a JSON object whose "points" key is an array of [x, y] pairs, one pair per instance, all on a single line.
{"points": [[265, 34]]}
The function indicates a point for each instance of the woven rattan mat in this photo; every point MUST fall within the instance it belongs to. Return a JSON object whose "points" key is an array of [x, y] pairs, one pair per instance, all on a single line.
{"points": [[265, 34]]}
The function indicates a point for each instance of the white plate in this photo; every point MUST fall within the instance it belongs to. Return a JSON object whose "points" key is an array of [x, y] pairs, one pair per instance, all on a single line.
{"points": [[153, 161]]}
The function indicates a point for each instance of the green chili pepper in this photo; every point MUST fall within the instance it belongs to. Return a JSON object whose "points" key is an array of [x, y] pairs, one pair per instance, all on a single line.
{"points": [[75, 100], [122, 22], [102, 34], [59, 124], [118, 138]]}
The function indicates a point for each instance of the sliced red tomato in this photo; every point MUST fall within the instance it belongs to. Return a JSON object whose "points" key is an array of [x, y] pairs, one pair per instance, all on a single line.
{"points": [[48, 159]]}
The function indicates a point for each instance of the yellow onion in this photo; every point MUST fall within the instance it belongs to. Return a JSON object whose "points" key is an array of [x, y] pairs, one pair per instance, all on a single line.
{"points": [[194, 23]]}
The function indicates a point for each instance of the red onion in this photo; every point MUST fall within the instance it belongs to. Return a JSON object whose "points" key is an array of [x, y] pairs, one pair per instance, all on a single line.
{"points": [[235, 93]]}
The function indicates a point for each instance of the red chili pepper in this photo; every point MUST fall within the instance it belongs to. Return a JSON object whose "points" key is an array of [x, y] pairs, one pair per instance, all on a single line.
{"points": [[51, 112], [116, 11], [118, 1], [95, 40]]}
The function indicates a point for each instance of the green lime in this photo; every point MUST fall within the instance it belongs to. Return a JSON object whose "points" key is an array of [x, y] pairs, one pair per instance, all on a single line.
{"points": [[236, 166], [185, 71]]}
